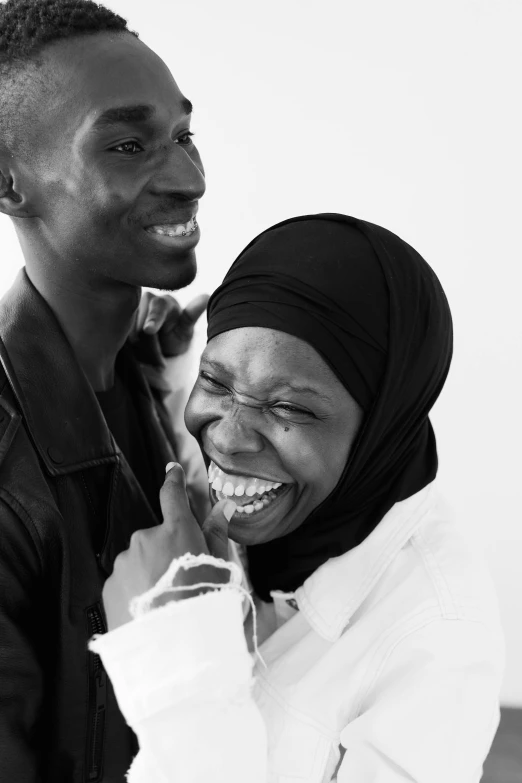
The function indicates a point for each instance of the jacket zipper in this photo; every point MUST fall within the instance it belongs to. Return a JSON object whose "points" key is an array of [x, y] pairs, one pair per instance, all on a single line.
{"points": [[97, 701]]}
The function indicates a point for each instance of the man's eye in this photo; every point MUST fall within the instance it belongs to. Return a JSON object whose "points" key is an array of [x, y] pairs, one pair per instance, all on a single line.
{"points": [[185, 140], [129, 147]]}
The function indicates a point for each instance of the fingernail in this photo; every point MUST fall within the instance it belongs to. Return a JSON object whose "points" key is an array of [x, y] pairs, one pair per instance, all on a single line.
{"points": [[229, 509], [169, 466]]}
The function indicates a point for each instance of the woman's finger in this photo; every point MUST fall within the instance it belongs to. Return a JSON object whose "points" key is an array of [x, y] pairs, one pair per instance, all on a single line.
{"points": [[174, 500], [215, 528]]}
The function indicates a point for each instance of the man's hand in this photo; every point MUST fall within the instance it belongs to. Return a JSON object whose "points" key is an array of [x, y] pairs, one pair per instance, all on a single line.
{"points": [[151, 551], [163, 329]]}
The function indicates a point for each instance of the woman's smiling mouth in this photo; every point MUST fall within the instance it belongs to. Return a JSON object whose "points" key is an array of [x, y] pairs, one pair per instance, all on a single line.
{"points": [[251, 494]]}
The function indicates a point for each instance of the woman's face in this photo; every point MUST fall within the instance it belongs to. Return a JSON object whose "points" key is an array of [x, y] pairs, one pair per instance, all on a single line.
{"points": [[277, 426]]}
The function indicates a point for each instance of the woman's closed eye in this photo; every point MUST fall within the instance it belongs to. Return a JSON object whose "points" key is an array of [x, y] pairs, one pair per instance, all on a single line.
{"points": [[284, 410], [289, 411], [212, 383]]}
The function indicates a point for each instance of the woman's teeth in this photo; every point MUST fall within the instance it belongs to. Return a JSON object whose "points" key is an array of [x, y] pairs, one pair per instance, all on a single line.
{"points": [[226, 486], [257, 505], [179, 230], [238, 485]]}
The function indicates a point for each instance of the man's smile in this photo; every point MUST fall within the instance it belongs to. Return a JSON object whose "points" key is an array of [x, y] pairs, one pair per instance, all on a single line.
{"points": [[175, 230], [176, 234]]}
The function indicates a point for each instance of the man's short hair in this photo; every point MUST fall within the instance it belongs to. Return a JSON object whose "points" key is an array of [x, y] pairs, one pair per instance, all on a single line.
{"points": [[26, 28]]}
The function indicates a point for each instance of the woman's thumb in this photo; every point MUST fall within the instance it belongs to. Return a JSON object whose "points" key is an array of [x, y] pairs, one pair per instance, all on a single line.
{"points": [[173, 497], [215, 528]]}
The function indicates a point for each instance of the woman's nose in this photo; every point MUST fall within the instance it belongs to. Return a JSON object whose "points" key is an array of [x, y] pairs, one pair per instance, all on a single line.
{"points": [[231, 435]]}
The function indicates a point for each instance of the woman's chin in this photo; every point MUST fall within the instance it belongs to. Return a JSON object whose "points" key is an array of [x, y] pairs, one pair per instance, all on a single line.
{"points": [[250, 536]]}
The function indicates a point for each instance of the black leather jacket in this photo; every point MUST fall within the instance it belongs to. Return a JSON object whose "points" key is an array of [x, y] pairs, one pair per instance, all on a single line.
{"points": [[69, 503]]}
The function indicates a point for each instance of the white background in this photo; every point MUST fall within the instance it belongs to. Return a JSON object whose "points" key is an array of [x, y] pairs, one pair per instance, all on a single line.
{"points": [[402, 112]]}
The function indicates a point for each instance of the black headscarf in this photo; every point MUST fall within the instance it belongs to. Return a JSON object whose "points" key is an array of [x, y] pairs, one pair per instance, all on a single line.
{"points": [[375, 311]]}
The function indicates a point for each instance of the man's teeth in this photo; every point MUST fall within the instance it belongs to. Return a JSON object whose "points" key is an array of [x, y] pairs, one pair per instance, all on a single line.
{"points": [[238, 485], [178, 230]]}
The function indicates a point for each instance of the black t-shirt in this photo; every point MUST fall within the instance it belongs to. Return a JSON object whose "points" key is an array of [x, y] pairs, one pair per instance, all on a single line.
{"points": [[124, 423]]}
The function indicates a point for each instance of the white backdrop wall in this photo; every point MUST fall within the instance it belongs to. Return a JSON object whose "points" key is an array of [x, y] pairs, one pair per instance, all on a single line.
{"points": [[405, 113]]}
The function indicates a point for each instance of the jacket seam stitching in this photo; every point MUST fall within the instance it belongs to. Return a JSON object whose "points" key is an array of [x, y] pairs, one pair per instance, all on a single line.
{"points": [[420, 618], [88, 494], [329, 734], [385, 561], [447, 603], [110, 503]]}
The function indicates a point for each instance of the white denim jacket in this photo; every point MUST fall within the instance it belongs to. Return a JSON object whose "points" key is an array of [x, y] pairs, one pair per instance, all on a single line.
{"points": [[385, 666]]}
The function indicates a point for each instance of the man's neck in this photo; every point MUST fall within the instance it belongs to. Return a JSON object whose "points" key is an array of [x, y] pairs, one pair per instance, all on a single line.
{"points": [[96, 318]]}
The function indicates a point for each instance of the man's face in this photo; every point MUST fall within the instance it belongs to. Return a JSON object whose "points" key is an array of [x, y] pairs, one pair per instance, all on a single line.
{"points": [[114, 174]]}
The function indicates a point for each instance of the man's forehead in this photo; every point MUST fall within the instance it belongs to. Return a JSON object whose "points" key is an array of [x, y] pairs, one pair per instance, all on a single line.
{"points": [[110, 71], [120, 81]]}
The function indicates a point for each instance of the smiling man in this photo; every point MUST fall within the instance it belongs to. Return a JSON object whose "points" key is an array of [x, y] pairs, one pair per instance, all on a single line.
{"points": [[100, 176]]}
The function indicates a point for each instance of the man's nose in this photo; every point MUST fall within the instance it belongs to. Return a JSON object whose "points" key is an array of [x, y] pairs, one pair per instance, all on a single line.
{"points": [[232, 435], [179, 175]]}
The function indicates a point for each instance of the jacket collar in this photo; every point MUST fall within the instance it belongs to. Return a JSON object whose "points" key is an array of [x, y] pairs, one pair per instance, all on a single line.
{"points": [[332, 594], [58, 404]]}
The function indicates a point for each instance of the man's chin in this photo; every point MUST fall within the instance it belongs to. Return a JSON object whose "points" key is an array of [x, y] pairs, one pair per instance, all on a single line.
{"points": [[180, 274]]}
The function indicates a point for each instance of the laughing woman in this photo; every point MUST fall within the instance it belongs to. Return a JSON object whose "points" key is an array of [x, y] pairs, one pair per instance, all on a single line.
{"points": [[380, 653]]}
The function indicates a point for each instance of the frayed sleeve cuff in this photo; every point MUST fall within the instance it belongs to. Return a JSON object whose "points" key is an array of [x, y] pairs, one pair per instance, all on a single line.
{"points": [[188, 650]]}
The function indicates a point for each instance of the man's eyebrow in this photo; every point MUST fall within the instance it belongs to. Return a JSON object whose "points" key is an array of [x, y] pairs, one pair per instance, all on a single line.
{"points": [[128, 115], [120, 115]]}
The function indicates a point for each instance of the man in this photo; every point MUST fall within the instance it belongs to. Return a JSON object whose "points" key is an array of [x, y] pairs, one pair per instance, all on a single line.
{"points": [[101, 178]]}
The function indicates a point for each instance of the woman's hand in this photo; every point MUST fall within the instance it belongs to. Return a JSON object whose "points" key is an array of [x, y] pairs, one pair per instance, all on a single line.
{"points": [[151, 551]]}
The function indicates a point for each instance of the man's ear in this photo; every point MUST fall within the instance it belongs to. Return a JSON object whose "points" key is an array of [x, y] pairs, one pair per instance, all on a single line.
{"points": [[13, 198]]}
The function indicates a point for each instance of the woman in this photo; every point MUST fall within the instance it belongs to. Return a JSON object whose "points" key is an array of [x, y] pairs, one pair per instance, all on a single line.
{"points": [[380, 651]]}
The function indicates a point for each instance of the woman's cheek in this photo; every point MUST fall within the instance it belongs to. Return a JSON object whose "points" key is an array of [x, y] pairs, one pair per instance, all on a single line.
{"points": [[299, 454], [318, 461]]}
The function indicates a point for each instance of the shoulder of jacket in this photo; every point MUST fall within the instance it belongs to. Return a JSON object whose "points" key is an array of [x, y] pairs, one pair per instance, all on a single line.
{"points": [[456, 569], [10, 417], [19, 463], [19, 528]]}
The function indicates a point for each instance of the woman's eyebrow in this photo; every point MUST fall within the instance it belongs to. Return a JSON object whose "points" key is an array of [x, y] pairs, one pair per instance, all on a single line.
{"points": [[215, 365], [302, 388], [281, 385]]}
